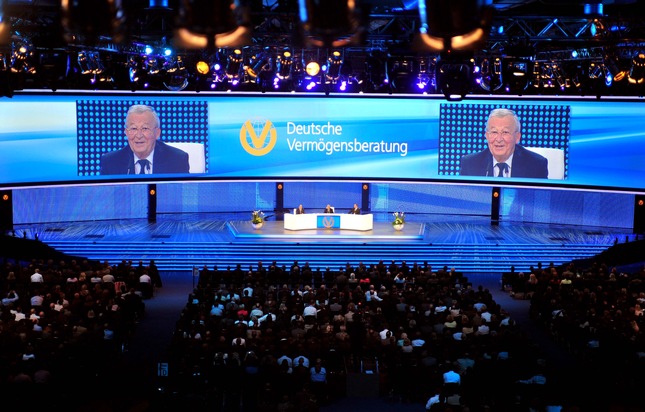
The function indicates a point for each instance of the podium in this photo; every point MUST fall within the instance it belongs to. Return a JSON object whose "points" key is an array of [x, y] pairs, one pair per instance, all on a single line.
{"points": [[328, 221]]}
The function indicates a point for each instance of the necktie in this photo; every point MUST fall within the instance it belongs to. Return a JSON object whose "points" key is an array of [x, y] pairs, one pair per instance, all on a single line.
{"points": [[144, 164], [503, 168]]}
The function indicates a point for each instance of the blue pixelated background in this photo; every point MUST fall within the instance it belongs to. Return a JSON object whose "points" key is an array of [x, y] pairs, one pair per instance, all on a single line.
{"points": [[100, 127], [461, 130]]}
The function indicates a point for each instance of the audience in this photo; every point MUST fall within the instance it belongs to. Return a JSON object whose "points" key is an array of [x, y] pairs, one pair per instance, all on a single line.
{"points": [[432, 327], [288, 337], [59, 325]]}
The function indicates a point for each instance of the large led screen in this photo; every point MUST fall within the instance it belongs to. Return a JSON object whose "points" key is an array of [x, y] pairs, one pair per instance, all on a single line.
{"points": [[88, 138]]}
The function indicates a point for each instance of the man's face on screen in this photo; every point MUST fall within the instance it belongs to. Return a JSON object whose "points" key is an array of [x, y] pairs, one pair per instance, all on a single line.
{"points": [[142, 133], [502, 136]]}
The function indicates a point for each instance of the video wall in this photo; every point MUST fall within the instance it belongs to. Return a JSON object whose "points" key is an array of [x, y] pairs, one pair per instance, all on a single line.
{"points": [[62, 138]]}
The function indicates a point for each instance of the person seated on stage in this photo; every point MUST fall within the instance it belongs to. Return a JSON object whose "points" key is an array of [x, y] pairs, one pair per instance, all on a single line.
{"points": [[329, 209], [355, 210], [300, 210]]}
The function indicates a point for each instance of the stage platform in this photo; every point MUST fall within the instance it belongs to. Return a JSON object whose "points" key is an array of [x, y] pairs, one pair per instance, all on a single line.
{"points": [[276, 230], [185, 241]]}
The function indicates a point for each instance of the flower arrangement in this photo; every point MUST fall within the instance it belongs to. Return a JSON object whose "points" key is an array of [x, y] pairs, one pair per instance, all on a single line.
{"points": [[257, 216], [399, 218]]}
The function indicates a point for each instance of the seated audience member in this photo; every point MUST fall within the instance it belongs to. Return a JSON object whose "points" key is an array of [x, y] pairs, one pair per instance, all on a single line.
{"points": [[145, 285]]}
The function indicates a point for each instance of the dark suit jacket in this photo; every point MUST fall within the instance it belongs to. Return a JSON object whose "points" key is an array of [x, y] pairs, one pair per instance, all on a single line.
{"points": [[300, 211], [525, 164], [167, 159], [356, 211], [328, 210]]}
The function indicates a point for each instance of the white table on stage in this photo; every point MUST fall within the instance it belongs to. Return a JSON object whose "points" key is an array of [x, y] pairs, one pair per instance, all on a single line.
{"points": [[328, 221]]}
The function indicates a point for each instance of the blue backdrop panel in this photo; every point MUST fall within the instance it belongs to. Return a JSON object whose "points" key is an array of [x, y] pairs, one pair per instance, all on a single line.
{"points": [[79, 203]]}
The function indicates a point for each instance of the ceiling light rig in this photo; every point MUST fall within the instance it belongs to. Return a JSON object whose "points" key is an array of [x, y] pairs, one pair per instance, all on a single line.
{"points": [[313, 46]]}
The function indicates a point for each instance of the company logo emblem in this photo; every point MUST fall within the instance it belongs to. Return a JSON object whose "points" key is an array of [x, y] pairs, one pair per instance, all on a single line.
{"points": [[258, 137], [328, 222]]}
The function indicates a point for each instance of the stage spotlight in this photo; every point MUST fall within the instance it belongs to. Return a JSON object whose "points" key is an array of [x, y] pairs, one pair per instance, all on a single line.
{"points": [[22, 58], [332, 23], [425, 81], [308, 72], [312, 68], [455, 25], [260, 63], [213, 24], [176, 75], [334, 66], [636, 74], [515, 74], [595, 8], [284, 73], [202, 67], [455, 78], [137, 73], [52, 69], [402, 73], [233, 68], [595, 80], [84, 62], [152, 65], [376, 77], [490, 74], [284, 65]]}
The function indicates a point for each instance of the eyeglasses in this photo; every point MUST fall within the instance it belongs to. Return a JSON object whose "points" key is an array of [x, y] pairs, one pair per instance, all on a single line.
{"points": [[144, 130], [495, 134]]}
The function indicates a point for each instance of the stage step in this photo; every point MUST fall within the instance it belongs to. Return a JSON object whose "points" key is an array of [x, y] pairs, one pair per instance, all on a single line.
{"points": [[466, 258]]}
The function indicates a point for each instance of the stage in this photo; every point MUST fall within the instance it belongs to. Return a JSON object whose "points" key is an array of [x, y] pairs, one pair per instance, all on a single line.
{"points": [[275, 230], [184, 241]]}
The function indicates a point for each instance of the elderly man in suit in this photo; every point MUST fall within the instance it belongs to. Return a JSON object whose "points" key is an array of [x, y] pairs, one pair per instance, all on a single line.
{"points": [[145, 153], [504, 157]]}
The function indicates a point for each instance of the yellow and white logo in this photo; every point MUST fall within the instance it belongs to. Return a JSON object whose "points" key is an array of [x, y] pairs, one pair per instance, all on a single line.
{"points": [[258, 137], [328, 222]]}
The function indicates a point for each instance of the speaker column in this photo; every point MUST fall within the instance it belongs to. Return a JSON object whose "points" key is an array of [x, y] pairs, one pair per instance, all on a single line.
{"points": [[6, 210], [639, 214], [496, 194], [365, 198], [152, 203], [279, 201]]}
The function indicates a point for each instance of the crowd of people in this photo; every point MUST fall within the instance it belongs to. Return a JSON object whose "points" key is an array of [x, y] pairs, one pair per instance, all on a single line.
{"points": [[279, 338], [68, 322], [596, 313], [294, 338]]}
